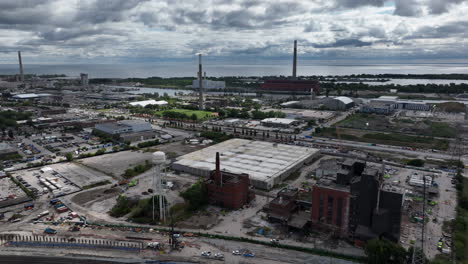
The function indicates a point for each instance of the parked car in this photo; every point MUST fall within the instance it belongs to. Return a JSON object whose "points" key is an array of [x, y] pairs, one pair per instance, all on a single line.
{"points": [[206, 253], [51, 231], [236, 252]]}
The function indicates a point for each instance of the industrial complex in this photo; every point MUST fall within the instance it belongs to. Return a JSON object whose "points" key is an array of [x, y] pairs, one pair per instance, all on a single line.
{"points": [[277, 169], [266, 163]]}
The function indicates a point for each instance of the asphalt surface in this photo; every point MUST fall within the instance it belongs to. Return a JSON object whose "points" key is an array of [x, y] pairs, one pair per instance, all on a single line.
{"points": [[70, 260]]}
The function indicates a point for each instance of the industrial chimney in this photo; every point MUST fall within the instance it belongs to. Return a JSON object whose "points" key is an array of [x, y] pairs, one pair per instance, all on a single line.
{"points": [[21, 66], [218, 177], [294, 60], [200, 83]]}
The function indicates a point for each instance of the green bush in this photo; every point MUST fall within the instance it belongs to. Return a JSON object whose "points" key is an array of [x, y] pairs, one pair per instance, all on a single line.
{"points": [[148, 143], [415, 162], [138, 169], [196, 196]]}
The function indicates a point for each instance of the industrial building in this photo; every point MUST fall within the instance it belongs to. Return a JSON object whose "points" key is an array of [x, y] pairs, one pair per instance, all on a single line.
{"points": [[148, 102], [266, 163], [124, 126], [293, 84], [304, 114], [6, 149], [388, 104], [84, 80], [208, 84], [353, 203], [229, 190], [300, 86], [280, 122], [338, 103]]}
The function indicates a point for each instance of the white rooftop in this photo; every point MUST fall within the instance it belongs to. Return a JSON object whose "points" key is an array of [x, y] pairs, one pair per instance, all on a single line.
{"points": [[285, 121], [149, 102], [387, 97], [344, 99], [261, 160]]}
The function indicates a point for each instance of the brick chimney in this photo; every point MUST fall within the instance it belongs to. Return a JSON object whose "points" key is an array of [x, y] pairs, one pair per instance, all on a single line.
{"points": [[218, 179]]}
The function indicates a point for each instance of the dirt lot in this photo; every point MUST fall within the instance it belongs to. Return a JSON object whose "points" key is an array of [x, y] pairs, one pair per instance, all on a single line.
{"points": [[115, 164], [9, 190]]}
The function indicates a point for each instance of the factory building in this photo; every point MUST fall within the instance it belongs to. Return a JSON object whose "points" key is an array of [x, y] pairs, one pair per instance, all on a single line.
{"points": [[300, 86], [229, 190], [208, 84], [124, 126], [293, 84], [279, 122], [148, 102], [84, 80], [353, 203], [338, 103], [266, 163], [6, 150]]}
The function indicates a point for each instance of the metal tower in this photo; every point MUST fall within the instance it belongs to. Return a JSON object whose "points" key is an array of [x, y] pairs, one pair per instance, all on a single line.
{"points": [[159, 159]]}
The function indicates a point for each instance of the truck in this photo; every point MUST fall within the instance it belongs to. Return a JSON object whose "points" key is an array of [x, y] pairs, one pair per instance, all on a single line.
{"points": [[39, 216], [54, 201], [62, 209], [28, 206], [50, 231]]}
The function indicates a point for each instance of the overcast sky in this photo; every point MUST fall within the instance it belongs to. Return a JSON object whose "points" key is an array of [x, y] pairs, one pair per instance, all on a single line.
{"points": [[66, 31]]}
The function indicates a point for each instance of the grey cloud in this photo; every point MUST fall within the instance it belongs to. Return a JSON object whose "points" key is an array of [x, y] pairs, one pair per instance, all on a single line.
{"points": [[358, 3], [344, 43], [454, 29], [407, 8], [442, 6]]}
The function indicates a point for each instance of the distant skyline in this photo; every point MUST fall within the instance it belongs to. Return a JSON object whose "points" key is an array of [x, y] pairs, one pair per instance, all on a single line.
{"points": [[238, 31]]}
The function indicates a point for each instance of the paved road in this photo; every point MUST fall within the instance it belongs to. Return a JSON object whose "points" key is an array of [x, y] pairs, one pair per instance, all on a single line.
{"points": [[60, 260]]}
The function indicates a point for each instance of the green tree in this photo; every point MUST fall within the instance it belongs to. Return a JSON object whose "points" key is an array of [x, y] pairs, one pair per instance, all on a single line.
{"points": [[196, 196], [69, 156], [381, 251], [194, 117], [416, 162]]}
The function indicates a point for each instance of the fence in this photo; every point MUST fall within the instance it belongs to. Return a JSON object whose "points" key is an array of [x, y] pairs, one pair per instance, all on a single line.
{"points": [[62, 242]]}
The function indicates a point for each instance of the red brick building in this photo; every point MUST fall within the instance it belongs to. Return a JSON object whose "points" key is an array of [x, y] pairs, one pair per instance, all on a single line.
{"points": [[228, 189], [330, 208], [290, 85]]}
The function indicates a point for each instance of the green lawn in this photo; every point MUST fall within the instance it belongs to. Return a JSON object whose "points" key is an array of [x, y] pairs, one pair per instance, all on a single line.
{"points": [[200, 114]]}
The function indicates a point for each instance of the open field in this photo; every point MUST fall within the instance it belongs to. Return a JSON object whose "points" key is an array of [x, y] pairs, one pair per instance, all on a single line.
{"points": [[398, 125], [200, 114], [386, 138]]}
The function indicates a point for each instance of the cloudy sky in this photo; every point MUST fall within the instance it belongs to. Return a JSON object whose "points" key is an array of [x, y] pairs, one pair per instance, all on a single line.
{"points": [[65, 31]]}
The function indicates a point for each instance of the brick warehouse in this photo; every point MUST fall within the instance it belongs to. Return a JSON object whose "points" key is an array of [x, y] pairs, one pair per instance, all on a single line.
{"points": [[304, 86], [353, 203], [332, 210], [227, 189]]}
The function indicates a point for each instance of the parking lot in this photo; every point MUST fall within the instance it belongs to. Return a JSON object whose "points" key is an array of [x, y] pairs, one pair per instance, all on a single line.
{"points": [[439, 207]]}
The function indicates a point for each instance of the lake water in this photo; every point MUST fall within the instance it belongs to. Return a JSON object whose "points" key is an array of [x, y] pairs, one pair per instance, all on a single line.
{"points": [[187, 69]]}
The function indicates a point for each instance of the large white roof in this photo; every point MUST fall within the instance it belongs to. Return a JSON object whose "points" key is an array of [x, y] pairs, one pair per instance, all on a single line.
{"points": [[344, 99], [149, 102], [285, 121], [262, 160]]}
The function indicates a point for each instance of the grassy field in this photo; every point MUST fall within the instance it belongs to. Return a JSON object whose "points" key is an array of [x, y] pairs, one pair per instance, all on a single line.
{"points": [[200, 114], [401, 125], [387, 138]]}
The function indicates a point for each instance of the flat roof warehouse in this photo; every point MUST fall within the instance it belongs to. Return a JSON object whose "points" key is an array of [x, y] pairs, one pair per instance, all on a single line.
{"points": [[266, 163]]}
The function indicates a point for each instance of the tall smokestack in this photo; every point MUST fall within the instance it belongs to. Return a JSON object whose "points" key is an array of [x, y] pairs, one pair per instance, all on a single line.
{"points": [[200, 83], [218, 177], [294, 60], [21, 66]]}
